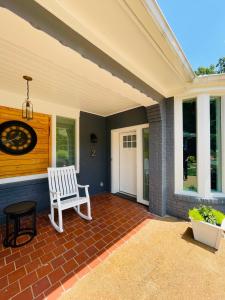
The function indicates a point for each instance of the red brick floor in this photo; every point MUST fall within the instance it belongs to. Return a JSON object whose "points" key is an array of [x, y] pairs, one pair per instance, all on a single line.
{"points": [[52, 262]]}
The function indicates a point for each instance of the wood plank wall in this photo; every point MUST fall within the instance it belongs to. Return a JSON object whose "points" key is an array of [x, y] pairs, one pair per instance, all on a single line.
{"points": [[39, 159]]}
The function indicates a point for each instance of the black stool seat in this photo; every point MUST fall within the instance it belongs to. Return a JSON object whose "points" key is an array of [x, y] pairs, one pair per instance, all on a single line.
{"points": [[19, 208], [15, 212]]}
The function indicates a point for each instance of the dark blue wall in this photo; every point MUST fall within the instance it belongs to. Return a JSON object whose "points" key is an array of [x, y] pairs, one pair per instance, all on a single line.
{"points": [[93, 170]]}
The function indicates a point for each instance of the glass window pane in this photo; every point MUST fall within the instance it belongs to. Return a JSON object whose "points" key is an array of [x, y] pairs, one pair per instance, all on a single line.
{"points": [[145, 136], [215, 143], [134, 138], [65, 141], [189, 146]]}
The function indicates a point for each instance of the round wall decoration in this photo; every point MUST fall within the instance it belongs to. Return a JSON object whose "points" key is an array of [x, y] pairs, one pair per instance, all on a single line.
{"points": [[17, 137]]}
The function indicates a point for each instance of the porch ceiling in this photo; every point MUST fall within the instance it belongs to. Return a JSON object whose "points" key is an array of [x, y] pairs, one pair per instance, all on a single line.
{"points": [[134, 33], [60, 74]]}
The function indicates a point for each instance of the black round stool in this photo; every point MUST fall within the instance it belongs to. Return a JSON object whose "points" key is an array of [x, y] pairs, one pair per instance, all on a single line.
{"points": [[15, 212]]}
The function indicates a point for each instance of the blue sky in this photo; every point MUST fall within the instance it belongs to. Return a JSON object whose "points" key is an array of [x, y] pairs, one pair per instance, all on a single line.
{"points": [[199, 26]]}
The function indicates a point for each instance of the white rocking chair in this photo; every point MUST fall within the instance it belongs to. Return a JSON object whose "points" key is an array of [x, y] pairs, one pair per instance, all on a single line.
{"points": [[64, 194]]}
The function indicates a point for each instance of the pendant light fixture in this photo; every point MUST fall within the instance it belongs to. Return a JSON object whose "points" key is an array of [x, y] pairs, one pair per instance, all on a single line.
{"points": [[27, 107]]}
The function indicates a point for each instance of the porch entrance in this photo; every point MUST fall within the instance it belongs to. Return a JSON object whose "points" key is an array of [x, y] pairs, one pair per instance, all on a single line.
{"points": [[128, 163]]}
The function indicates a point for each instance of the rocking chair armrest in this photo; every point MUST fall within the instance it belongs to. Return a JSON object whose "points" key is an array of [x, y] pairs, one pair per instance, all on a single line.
{"points": [[83, 186]]}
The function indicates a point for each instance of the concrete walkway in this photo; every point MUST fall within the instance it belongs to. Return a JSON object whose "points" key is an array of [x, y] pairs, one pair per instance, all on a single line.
{"points": [[162, 261]]}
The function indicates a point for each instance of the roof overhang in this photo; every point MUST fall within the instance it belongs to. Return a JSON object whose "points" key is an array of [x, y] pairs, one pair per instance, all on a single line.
{"points": [[213, 84], [130, 39]]}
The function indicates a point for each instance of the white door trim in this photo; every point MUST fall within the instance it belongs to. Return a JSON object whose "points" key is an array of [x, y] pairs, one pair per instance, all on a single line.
{"points": [[115, 159]]}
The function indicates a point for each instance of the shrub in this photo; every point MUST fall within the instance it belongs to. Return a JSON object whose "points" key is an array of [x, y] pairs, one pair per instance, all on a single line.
{"points": [[219, 216], [207, 214], [195, 214]]}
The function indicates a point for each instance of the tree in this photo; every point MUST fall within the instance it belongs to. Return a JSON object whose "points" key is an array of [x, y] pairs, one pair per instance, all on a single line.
{"points": [[206, 70], [212, 69], [221, 65]]}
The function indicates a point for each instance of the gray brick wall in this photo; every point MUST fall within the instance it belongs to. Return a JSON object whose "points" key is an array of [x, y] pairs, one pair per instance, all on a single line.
{"points": [[157, 193]]}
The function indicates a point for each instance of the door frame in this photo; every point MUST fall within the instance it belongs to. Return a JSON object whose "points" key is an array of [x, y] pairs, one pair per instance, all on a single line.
{"points": [[115, 159]]}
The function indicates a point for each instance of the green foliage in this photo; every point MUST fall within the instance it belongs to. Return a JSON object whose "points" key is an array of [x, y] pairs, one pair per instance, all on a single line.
{"points": [[221, 65], [206, 70], [212, 69], [207, 214], [219, 216], [192, 159], [195, 214]]}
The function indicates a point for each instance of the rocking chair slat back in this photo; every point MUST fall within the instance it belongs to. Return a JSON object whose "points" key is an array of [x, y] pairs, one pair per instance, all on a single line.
{"points": [[63, 180]]}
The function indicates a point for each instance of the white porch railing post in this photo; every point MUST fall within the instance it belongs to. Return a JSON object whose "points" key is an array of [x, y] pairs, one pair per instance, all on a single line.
{"points": [[203, 146]]}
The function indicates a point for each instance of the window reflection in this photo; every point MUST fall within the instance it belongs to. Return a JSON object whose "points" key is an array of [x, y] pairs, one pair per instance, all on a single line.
{"points": [[215, 143], [65, 141], [145, 134], [189, 146]]}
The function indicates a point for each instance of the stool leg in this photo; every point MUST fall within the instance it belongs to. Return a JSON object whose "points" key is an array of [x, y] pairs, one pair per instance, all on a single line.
{"points": [[34, 222], [6, 240], [16, 229]]}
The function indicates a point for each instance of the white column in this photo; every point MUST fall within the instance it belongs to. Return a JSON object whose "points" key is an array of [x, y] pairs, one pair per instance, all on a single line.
{"points": [[223, 141], [203, 145], [178, 145]]}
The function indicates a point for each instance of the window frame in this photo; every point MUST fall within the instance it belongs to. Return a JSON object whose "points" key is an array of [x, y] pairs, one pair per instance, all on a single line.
{"points": [[203, 146], [77, 146]]}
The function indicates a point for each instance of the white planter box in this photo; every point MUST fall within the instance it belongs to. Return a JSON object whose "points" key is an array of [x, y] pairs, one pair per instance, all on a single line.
{"points": [[207, 233]]}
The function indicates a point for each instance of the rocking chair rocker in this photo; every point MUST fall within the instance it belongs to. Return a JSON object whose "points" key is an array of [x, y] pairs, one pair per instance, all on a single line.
{"points": [[64, 194]]}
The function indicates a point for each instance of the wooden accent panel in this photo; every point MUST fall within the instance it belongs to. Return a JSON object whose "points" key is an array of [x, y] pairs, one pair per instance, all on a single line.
{"points": [[39, 159]]}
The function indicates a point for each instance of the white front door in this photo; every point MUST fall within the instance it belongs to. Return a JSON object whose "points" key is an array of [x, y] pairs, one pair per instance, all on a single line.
{"points": [[128, 163]]}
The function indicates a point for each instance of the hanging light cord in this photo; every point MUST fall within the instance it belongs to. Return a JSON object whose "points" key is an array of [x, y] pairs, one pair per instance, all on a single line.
{"points": [[27, 90]]}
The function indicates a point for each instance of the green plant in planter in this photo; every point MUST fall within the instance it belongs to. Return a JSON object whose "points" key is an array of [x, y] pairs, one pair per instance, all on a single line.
{"points": [[207, 214], [195, 215]]}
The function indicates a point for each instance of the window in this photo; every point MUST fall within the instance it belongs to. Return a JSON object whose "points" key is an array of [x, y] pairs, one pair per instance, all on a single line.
{"points": [[145, 136], [129, 141], [65, 141], [215, 144], [189, 146]]}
